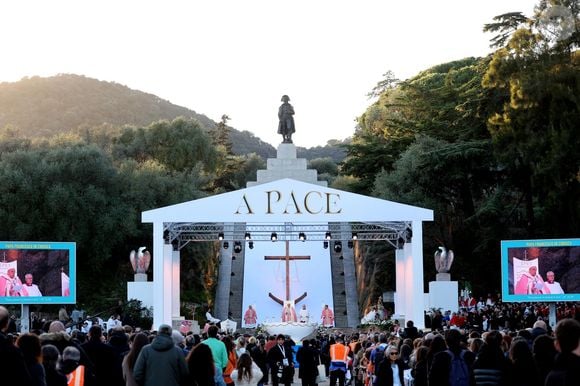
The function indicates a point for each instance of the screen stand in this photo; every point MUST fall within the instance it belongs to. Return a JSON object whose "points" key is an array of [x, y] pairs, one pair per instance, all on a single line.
{"points": [[552, 316], [24, 318]]}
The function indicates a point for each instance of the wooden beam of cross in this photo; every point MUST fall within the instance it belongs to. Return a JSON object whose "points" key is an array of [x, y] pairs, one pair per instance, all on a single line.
{"points": [[287, 258]]}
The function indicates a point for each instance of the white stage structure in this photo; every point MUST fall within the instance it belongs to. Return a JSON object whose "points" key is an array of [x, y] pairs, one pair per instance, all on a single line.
{"points": [[288, 208]]}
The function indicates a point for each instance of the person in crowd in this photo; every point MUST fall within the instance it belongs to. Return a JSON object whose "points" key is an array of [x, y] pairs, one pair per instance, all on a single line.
{"points": [[439, 373], [218, 348], [475, 345], [107, 367], [420, 370], [391, 369], [119, 341], [307, 359], [539, 328], [437, 322], [523, 369], [246, 373], [29, 288], [58, 337], [12, 365], [240, 346], [161, 363], [50, 358], [411, 331], [202, 368], [566, 371], [491, 367], [179, 341], [29, 345], [258, 354], [232, 360], [405, 353], [114, 321], [437, 345], [63, 316], [281, 362], [544, 352], [71, 366], [251, 342], [338, 362], [137, 342], [211, 319]]}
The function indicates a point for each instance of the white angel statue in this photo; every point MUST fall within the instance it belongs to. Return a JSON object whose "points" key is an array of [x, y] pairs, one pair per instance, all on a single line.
{"points": [[443, 260], [140, 260]]}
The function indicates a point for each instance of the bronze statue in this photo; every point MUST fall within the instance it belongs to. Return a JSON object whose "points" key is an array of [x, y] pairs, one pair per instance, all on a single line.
{"points": [[286, 125]]}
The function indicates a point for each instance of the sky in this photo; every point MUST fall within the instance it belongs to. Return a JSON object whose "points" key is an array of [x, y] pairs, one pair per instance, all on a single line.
{"points": [[238, 57]]}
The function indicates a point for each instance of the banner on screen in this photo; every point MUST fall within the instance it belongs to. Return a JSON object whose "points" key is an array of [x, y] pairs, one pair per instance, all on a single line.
{"points": [[37, 272], [540, 270]]}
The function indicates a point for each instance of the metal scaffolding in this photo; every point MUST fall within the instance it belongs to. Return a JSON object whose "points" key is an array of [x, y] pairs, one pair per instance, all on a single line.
{"points": [[180, 234]]}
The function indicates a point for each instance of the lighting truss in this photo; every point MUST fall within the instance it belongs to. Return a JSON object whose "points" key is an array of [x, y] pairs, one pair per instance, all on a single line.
{"points": [[183, 233]]}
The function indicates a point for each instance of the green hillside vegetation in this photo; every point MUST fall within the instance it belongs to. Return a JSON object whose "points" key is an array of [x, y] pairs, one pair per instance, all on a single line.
{"points": [[41, 107], [490, 144]]}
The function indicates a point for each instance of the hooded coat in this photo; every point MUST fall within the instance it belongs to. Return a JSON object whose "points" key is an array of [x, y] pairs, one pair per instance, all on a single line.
{"points": [[161, 363]]}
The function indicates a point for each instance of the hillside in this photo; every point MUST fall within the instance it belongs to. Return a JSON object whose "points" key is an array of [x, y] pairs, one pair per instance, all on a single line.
{"points": [[43, 107], [47, 106]]}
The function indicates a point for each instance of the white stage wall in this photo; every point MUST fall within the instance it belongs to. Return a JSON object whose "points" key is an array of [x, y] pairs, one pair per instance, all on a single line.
{"points": [[262, 276]]}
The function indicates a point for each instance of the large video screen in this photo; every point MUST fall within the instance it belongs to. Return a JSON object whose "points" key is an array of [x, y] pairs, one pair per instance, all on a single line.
{"points": [[540, 270], [37, 272]]}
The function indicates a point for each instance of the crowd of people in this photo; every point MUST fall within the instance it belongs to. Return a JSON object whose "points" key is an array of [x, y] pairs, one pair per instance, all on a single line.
{"points": [[452, 353]]}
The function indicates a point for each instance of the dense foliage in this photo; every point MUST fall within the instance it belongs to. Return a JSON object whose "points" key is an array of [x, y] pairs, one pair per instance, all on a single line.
{"points": [[490, 144]]}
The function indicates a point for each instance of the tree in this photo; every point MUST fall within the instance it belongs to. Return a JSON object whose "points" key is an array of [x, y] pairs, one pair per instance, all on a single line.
{"points": [[535, 83]]}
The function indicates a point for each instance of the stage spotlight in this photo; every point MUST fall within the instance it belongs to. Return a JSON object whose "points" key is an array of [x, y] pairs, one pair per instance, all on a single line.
{"points": [[274, 236], [350, 244], [237, 247], [325, 244], [302, 236], [220, 236], [354, 236], [226, 245], [251, 245], [328, 236], [338, 246], [247, 236]]}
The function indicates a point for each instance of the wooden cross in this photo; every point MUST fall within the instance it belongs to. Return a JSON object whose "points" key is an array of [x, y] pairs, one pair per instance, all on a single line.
{"points": [[287, 258]]}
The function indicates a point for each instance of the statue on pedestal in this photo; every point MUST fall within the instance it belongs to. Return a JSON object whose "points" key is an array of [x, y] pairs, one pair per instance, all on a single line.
{"points": [[286, 125], [140, 260], [443, 260]]}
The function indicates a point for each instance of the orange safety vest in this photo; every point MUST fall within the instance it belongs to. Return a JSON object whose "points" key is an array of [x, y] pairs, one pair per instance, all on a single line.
{"points": [[77, 377], [339, 353]]}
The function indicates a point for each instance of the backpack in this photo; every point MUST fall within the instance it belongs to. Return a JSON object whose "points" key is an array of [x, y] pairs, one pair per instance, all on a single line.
{"points": [[459, 370], [379, 356]]}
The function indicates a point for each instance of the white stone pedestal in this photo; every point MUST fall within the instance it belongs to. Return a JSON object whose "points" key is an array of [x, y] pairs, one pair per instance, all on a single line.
{"points": [[286, 165], [443, 295], [141, 290]]}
